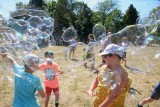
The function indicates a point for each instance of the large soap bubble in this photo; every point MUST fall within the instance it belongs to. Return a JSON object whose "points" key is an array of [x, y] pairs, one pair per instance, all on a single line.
{"points": [[69, 34], [28, 21], [158, 16], [98, 31], [149, 23]]}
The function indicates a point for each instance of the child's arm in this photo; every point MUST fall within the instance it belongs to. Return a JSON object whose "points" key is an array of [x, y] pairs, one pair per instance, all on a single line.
{"points": [[60, 71], [8, 57], [93, 86], [42, 93], [114, 94]]}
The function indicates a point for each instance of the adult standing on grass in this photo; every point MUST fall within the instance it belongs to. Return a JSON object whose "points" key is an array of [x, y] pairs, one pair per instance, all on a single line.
{"points": [[111, 94], [154, 96], [26, 84]]}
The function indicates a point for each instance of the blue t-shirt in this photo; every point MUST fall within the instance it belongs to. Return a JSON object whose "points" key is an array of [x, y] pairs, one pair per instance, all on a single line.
{"points": [[25, 86]]}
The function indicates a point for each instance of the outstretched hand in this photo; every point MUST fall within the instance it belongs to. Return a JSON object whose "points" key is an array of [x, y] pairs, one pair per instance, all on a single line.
{"points": [[8, 57], [60, 71], [4, 55], [90, 93]]}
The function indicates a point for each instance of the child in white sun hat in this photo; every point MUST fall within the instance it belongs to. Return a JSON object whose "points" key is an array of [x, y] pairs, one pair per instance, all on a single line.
{"points": [[26, 84], [111, 92]]}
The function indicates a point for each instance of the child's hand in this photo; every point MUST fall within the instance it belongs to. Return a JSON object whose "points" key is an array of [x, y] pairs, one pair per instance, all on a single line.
{"points": [[90, 93], [4, 55], [37, 94], [60, 72]]}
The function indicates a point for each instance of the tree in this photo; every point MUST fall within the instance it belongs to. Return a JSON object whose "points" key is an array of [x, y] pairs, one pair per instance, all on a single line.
{"points": [[96, 17], [38, 4], [51, 7], [156, 12], [105, 8], [113, 22], [131, 16], [84, 22], [20, 5], [62, 18]]}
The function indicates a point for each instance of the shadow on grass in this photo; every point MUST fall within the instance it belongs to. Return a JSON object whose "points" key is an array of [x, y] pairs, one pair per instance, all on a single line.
{"points": [[75, 60], [134, 69]]}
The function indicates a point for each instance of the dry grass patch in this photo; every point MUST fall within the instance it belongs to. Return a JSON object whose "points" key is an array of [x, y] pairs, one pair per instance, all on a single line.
{"points": [[76, 78]]}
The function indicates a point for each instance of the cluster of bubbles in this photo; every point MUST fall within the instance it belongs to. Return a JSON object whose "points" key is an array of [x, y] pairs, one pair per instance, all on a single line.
{"points": [[26, 29], [24, 32], [139, 41], [111, 79]]}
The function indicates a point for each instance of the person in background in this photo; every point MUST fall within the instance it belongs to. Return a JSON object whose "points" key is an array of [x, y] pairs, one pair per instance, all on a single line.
{"points": [[125, 44], [51, 71], [26, 84], [154, 96], [66, 51], [72, 46], [90, 52]]}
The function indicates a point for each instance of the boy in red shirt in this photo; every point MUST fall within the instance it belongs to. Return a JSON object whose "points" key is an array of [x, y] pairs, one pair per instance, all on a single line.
{"points": [[51, 71]]}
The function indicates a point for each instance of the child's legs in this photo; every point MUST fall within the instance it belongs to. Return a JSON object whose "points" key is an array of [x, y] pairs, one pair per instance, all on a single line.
{"points": [[92, 61], [56, 93], [65, 55], [71, 50], [73, 53], [48, 93]]}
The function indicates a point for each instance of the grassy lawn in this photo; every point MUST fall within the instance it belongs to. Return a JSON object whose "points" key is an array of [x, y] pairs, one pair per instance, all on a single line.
{"points": [[144, 71]]}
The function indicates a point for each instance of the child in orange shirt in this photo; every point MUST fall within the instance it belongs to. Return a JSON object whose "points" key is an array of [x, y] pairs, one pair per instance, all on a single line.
{"points": [[51, 71]]}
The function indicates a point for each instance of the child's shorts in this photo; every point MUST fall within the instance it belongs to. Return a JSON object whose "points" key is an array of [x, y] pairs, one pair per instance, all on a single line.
{"points": [[124, 54], [156, 92], [49, 90]]}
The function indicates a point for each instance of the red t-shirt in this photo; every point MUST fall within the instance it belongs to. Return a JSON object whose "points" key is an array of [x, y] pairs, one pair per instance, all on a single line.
{"points": [[50, 72]]}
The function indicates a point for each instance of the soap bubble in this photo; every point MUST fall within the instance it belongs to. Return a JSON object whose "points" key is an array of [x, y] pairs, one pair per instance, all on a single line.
{"points": [[98, 30], [69, 34]]}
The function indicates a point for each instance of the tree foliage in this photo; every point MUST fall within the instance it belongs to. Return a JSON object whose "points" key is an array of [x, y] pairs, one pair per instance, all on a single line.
{"points": [[105, 8], [131, 16], [38, 4], [113, 22], [84, 21], [156, 12]]}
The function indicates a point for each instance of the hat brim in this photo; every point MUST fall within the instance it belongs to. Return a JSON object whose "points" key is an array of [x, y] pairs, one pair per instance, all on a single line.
{"points": [[103, 53]]}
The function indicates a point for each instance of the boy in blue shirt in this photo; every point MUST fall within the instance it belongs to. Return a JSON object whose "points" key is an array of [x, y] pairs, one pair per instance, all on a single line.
{"points": [[25, 84]]}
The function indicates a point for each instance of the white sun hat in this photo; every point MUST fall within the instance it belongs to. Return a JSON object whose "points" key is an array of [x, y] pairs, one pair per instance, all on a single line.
{"points": [[113, 49], [30, 59]]}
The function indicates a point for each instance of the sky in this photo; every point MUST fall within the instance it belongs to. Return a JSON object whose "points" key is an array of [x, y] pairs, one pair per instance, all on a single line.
{"points": [[142, 6]]}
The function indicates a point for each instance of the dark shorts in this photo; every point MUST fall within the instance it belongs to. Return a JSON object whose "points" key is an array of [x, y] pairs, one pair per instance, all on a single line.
{"points": [[156, 92], [124, 54], [72, 48], [49, 90]]}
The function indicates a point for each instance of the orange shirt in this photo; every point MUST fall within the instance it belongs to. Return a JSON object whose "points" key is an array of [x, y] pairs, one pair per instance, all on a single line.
{"points": [[50, 72]]}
